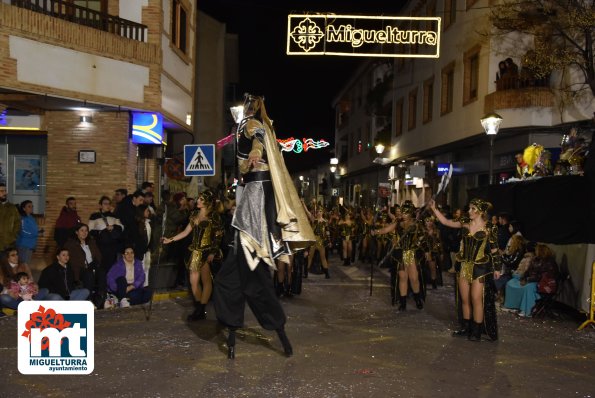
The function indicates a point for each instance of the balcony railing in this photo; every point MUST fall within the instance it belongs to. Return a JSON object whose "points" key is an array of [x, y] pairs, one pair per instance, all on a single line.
{"points": [[513, 83], [85, 16]]}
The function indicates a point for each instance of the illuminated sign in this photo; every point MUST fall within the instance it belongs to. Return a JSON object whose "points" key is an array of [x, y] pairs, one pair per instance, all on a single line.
{"points": [[363, 36], [287, 145], [442, 168], [297, 146], [147, 128]]}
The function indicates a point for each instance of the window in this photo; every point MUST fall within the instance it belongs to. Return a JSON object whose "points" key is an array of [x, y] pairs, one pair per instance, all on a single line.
{"points": [[448, 80], [179, 25], [412, 109], [96, 5], [471, 75], [428, 100], [399, 117], [450, 13]]}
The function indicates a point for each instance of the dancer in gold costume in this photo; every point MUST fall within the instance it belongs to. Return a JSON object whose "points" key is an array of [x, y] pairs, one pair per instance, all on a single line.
{"points": [[480, 264], [207, 232]]}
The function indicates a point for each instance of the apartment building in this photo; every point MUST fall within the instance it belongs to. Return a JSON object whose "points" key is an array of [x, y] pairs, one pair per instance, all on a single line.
{"points": [[427, 111], [74, 75]]}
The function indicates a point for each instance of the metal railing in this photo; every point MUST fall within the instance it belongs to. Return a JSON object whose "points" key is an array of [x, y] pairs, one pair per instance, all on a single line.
{"points": [[85, 16]]}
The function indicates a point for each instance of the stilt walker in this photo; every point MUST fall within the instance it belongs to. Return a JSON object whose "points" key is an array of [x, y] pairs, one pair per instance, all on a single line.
{"points": [[269, 224]]}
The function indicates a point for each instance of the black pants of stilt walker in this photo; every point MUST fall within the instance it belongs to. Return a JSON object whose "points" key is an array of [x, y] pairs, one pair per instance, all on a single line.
{"points": [[236, 285]]}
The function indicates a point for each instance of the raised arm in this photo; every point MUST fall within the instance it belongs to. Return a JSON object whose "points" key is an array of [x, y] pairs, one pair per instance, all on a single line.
{"points": [[385, 230], [310, 216], [443, 220]]}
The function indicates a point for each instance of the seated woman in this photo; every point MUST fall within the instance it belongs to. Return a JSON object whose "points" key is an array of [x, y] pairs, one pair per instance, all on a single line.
{"points": [[10, 267], [515, 250], [521, 291], [126, 278]]}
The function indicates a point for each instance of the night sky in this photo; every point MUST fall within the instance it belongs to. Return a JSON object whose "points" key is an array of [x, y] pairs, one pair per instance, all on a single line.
{"points": [[298, 90]]}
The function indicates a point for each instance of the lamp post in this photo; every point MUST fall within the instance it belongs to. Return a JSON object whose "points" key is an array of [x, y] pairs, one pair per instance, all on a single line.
{"points": [[491, 124], [334, 163]]}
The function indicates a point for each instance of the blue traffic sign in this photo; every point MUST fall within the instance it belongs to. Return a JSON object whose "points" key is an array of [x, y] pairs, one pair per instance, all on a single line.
{"points": [[199, 160]]}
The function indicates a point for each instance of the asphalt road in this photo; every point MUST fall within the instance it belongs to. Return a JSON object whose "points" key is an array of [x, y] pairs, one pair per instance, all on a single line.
{"points": [[346, 344]]}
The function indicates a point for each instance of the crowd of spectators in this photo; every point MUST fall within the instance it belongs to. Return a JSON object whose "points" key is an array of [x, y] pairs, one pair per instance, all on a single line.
{"points": [[92, 259]]}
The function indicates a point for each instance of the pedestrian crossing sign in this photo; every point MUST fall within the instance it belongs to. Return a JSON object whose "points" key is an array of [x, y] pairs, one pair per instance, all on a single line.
{"points": [[199, 160]]}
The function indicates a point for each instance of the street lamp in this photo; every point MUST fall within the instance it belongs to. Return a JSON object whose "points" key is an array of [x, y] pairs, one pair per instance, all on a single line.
{"points": [[334, 163], [491, 124], [379, 147]]}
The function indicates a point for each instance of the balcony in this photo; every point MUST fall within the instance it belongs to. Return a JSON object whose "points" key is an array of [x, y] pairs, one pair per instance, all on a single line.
{"points": [[520, 93], [84, 16]]}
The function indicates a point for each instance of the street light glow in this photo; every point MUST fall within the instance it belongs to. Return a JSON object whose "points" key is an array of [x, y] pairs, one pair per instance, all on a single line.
{"points": [[491, 123], [379, 148]]}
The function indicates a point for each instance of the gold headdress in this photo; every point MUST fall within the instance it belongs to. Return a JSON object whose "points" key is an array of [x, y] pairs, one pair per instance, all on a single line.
{"points": [[207, 197], [430, 219], [408, 208], [482, 205]]}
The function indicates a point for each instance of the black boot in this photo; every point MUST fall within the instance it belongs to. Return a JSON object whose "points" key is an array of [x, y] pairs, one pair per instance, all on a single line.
{"points": [[285, 341], [434, 284], [475, 334], [231, 344], [345, 262], [279, 289], [306, 272], [402, 303], [419, 303], [326, 275], [287, 292], [465, 329], [198, 313]]}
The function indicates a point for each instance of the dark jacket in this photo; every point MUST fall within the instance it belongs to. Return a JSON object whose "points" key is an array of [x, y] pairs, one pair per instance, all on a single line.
{"points": [[78, 258], [58, 279], [67, 220], [109, 242], [10, 224]]}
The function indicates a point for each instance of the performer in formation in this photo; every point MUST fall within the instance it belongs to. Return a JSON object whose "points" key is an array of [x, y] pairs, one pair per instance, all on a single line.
{"points": [[269, 224], [207, 232], [321, 230], [480, 264], [411, 235]]}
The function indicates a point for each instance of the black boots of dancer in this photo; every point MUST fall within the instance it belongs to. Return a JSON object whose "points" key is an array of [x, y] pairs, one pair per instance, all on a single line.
{"points": [[231, 343], [198, 313], [402, 303], [419, 303], [326, 274], [475, 334], [465, 330]]}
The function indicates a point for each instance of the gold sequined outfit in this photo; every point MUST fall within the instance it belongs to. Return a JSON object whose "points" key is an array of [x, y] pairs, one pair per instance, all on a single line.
{"points": [[206, 237], [476, 257]]}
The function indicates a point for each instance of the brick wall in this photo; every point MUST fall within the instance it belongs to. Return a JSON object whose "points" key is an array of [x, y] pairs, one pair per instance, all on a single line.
{"points": [[115, 165], [519, 98]]}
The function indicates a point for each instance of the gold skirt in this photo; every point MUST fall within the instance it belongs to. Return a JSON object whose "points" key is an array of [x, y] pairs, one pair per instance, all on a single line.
{"points": [[196, 260]]}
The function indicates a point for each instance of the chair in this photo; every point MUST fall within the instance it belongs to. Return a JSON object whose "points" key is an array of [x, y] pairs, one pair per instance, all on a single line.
{"points": [[545, 305]]}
